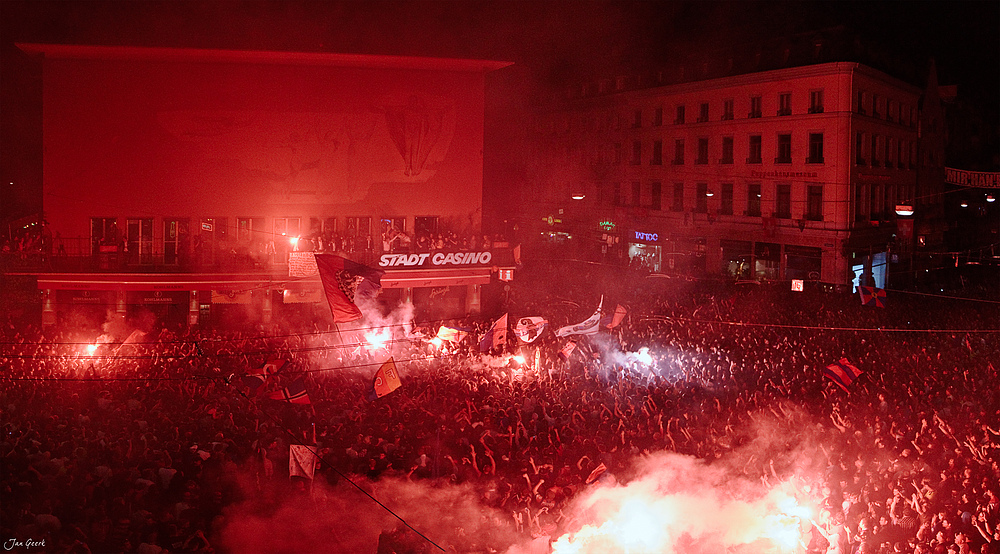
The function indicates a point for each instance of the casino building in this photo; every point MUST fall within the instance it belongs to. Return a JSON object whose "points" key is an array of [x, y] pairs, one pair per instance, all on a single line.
{"points": [[787, 173], [192, 183]]}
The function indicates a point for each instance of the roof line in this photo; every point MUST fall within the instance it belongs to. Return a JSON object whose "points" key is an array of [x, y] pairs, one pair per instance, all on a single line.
{"points": [[170, 54]]}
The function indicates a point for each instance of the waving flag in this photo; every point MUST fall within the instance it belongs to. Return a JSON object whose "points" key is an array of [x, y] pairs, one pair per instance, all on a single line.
{"points": [[589, 326], [596, 474], [843, 373], [452, 334], [871, 296], [302, 461], [254, 381], [386, 379], [496, 336], [530, 328], [342, 280], [614, 320], [567, 350], [295, 393]]}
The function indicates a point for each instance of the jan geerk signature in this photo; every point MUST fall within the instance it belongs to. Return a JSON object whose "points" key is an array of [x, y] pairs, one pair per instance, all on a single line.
{"points": [[11, 544]]}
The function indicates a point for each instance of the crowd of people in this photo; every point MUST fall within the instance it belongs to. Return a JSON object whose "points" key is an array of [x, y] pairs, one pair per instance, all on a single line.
{"points": [[907, 459]]}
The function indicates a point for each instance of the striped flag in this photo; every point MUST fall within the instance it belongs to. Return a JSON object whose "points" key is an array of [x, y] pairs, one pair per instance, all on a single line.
{"points": [[843, 373], [589, 326], [294, 393], [342, 280], [496, 336]]}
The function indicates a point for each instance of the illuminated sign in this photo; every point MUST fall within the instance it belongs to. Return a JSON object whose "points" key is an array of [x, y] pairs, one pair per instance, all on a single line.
{"points": [[438, 259], [607, 225], [648, 237], [797, 285]]}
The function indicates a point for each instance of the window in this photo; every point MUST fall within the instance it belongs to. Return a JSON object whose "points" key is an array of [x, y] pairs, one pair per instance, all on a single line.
{"points": [[783, 209], [678, 203], [244, 229], [657, 153], [861, 202], [636, 193], [784, 149], [618, 153], [679, 152], [658, 117], [815, 148], [888, 152], [755, 109], [889, 115], [753, 200], [656, 194], [859, 149], [816, 101], [875, 102], [636, 152], [913, 155], [702, 151], [861, 102], [785, 103], [637, 119], [680, 115], [754, 155], [103, 232], [900, 163], [701, 198], [875, 151], [617, 198], [703, 112], [361, 226], [814, 203], [727, 109], [139, 241], [726, 200], [727, 150], [428, 224], [174, 232]]}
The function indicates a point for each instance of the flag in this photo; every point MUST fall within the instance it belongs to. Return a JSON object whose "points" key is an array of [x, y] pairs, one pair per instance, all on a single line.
{"points": [[567, 350], [302, 461], [452, 334], [294, 393], [871, 296], [386, 379], [342, 280], [273, 366], [496, 336], [596, 474], [252, 381], [614, 320], [843, 373], [589, 326], [529, 328]]}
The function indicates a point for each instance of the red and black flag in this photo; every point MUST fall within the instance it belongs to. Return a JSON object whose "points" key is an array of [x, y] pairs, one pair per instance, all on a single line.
{"points": [[342, 280]]}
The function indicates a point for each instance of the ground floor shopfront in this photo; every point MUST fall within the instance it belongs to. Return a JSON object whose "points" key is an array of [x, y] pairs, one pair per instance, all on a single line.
{"points": [[232, 301]]}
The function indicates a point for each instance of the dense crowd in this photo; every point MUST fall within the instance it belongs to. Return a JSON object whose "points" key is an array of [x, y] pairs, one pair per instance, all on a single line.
{"points": [[906, 461]]}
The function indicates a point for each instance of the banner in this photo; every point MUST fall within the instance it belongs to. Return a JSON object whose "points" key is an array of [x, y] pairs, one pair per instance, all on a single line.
{"points": [[589, 326], [386, 379], [530, 328], [342, 279]]}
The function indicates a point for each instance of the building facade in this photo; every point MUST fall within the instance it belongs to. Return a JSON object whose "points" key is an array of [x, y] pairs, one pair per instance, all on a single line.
{"points": [[793, 173], [187, 179]]}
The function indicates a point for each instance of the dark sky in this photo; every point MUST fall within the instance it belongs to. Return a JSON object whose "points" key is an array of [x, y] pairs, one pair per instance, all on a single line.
{"points": [[551, 41]]}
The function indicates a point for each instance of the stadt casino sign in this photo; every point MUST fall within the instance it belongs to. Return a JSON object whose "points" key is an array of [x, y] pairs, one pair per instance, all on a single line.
{"points": [[436, 259]]}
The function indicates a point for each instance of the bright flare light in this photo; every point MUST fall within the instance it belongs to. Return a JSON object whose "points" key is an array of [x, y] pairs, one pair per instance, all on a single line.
{"points": [[519, 359], [91, 348], [644, 357], [436, 341], [377, 339]]}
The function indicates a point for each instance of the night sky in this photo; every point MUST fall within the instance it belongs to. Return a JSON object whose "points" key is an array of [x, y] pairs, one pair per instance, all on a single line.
{"points": [[551, 43]]}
